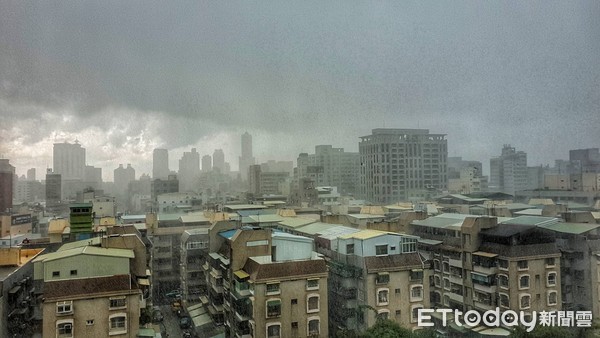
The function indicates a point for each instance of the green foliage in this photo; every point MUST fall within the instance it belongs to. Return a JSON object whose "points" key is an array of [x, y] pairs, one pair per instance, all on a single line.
{"points": [[145, 316]]}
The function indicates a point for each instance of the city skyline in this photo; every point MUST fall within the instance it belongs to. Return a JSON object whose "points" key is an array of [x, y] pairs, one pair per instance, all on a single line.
{"points": [[124, 82]]}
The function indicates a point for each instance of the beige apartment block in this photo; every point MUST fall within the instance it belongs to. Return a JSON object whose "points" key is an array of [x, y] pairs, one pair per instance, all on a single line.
{"points": [[91, 307]]}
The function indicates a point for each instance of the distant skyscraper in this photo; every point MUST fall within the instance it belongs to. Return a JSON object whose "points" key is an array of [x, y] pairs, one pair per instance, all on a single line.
{"points": [[122, 177], [31, 174], [7, 178], [69, 160], [247, 158], [206, 163], [508, 172], [219, 160], [189, 170], [53, 189], [402, 165], [160, 164]]}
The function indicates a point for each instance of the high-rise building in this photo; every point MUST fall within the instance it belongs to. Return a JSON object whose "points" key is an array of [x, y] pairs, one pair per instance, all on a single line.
{"points": [[122, 177], [219, 160], [69, 161], [160, 164], [402, 164], [247, 159], [7, 176], [206, 163], [340, 169], [189, 170], [53, 189], [508, 172], [586, 160], [31, 174]]}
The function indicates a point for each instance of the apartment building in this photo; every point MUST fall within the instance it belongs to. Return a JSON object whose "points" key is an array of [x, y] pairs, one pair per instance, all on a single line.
{"points": [[372, 274], [480, 264], [508, 172], [402, 164], [265, 283], [194, 252], [89, 291]]}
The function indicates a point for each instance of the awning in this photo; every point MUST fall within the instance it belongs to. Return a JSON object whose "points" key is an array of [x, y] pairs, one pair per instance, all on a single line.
{"points": [[383, 273], [143, 281], [241, 274], [429, 241], [201, 320], [15, 289], [148, 273], [485, 254], [204, 300]]}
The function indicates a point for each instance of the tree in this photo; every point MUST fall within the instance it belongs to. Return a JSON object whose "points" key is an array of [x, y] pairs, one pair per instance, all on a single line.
{"points": [[543, 332]]}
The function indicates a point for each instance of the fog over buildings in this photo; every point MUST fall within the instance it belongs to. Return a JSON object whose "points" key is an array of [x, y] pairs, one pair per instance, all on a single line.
{"points": [[124, 81], [287, 169]]}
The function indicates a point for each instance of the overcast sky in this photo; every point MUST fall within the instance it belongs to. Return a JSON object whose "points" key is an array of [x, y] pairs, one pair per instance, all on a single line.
{"points": [[125, 77]]}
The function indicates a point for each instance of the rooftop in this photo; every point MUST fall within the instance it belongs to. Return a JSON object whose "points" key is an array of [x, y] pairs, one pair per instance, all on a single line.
{"points": [[86, 250], [393, 262], [262, 270], [571, 228], [72, 288]]}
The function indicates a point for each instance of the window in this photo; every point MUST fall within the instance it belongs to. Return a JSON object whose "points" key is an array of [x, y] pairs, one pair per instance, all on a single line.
{"points": [[274, 308], [274, 331], [416, 293], [446, 267], [414, 313], [504, 301], [55, 273], [65, 307], [383, 314], [503, 264], [552, 297], [73, 272], [312, 284], [522, 265], [272, 289], [524, 282], [294, 301], [525, 301], [397, 291], [118, 324], [117, 302], [64, 328], [349, 249], [409, 245], [312, 303], [503, 281], [294, 325], [382, 278], [437, 281], [550, 262], [436, 265], [197, 245], [313, 327], [382, 296], [447, 283], [381, 250], [551, 279], [416, 275]]}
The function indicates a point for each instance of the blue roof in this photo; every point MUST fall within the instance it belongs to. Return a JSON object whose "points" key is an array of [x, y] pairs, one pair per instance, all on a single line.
{"points": [[227, 234]]}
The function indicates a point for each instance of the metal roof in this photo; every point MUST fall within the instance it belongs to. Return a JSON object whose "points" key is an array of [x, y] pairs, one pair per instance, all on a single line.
{"points": [[295, 222], [315, 228], [531, 220], [366, 234], [571, 228], [78, 244], [443, 220], [529, 212], [86, 250], [228, 234]]}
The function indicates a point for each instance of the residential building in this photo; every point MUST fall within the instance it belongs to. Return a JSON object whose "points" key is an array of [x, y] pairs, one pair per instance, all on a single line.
{"points": [[178, 202], [469, 181], [265, 283], [122, 178], [483, 262], [402, 165], [585, 160], [265, 183], [160, 186], [508, 172], [15, 224], [194, 252], [17, 295]]}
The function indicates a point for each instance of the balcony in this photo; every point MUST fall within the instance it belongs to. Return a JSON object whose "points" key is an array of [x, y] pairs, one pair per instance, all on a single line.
{"points": [[456, 279], [455, 262], [217, 288], [454, 296], [484, 287], [486, 270]]}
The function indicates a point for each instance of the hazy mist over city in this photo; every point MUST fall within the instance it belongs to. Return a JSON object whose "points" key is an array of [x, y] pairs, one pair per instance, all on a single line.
{"points": [[124, 78]]}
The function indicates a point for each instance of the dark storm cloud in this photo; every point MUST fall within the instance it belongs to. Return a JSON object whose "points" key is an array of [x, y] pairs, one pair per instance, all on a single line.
{"points": [[486, 73]]}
